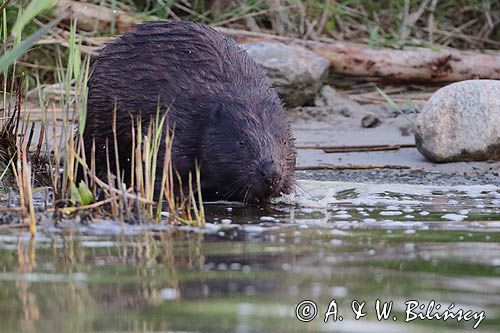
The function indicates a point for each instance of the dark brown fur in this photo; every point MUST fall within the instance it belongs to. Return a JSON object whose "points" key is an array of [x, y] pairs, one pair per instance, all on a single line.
{"points": [[226, 115]]}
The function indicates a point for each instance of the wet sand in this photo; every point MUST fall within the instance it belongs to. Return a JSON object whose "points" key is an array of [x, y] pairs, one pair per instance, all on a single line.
{"points": [[404, 165]]}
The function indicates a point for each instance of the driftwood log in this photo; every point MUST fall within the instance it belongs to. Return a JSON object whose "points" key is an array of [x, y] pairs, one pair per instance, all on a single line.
{"points": [[416, 64], [408, 65], [92, 17]]}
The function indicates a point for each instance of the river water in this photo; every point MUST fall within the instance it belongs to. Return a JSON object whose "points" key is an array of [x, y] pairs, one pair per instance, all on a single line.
{"points": [[335, 245]]}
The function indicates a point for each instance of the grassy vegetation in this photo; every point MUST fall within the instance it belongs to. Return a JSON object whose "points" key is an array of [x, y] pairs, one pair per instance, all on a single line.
{"points": [[345, 19]]}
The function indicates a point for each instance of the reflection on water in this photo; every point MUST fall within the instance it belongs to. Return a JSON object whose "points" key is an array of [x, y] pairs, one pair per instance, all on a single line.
{"points": [[250, 268]]}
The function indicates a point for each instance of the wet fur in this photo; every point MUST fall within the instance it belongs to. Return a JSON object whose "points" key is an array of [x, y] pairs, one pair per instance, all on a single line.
{"points": [[216, 95]]}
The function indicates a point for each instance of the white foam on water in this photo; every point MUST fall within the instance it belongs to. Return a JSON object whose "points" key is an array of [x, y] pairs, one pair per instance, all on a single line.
{"points": [[454, 217], [323, 194], [391, 213]]}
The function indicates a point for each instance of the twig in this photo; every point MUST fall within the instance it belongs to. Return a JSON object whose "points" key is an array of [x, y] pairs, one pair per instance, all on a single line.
{"points": [[4, 5], [430, 25], [324, 17], [91, 51], [361, 148], [191, 12], [404, 31], [17, 225], [10, 209], [123, 193], [41, 136], [465, 37], [69, 210], [411, 19], [367, 148], [350, 167], [458, 30]]}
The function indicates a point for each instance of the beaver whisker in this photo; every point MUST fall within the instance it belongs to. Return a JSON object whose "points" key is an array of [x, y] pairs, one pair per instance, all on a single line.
{"points": [[236, 189], [243, 177], [238, 185], [243, 191], [249, 189]]}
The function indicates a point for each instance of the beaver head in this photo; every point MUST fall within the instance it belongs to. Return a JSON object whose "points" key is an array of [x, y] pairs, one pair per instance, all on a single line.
{"points": [[248, 150]]}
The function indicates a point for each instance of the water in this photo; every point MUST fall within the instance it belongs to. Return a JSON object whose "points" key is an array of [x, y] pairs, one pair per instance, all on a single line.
{"points": [[250, 268]]}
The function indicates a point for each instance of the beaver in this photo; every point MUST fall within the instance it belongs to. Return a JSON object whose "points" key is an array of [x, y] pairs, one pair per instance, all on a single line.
{"points": [[225, 115]]}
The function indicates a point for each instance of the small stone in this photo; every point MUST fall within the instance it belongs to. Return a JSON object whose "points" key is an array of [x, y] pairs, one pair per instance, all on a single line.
{"points": [[393, 114], [370, 121], [346, 112], [409, 109], [406, 130]]}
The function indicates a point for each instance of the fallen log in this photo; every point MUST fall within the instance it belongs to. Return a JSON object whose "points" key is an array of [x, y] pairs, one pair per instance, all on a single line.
{"points": [[416, 64], [406, 65]]}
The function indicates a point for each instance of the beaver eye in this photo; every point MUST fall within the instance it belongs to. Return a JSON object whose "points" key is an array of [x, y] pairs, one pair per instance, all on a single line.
{"points": [[241, 143]]}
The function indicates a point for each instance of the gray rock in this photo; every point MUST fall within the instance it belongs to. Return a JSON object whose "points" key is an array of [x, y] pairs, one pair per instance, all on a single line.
{"points": [[296, 73], [461, 122], [370, 121], [346, 112], [406, 130]]}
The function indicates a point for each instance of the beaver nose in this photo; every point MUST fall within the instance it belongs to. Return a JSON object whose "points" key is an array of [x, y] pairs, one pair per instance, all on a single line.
{"points": [[269, 172]]}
